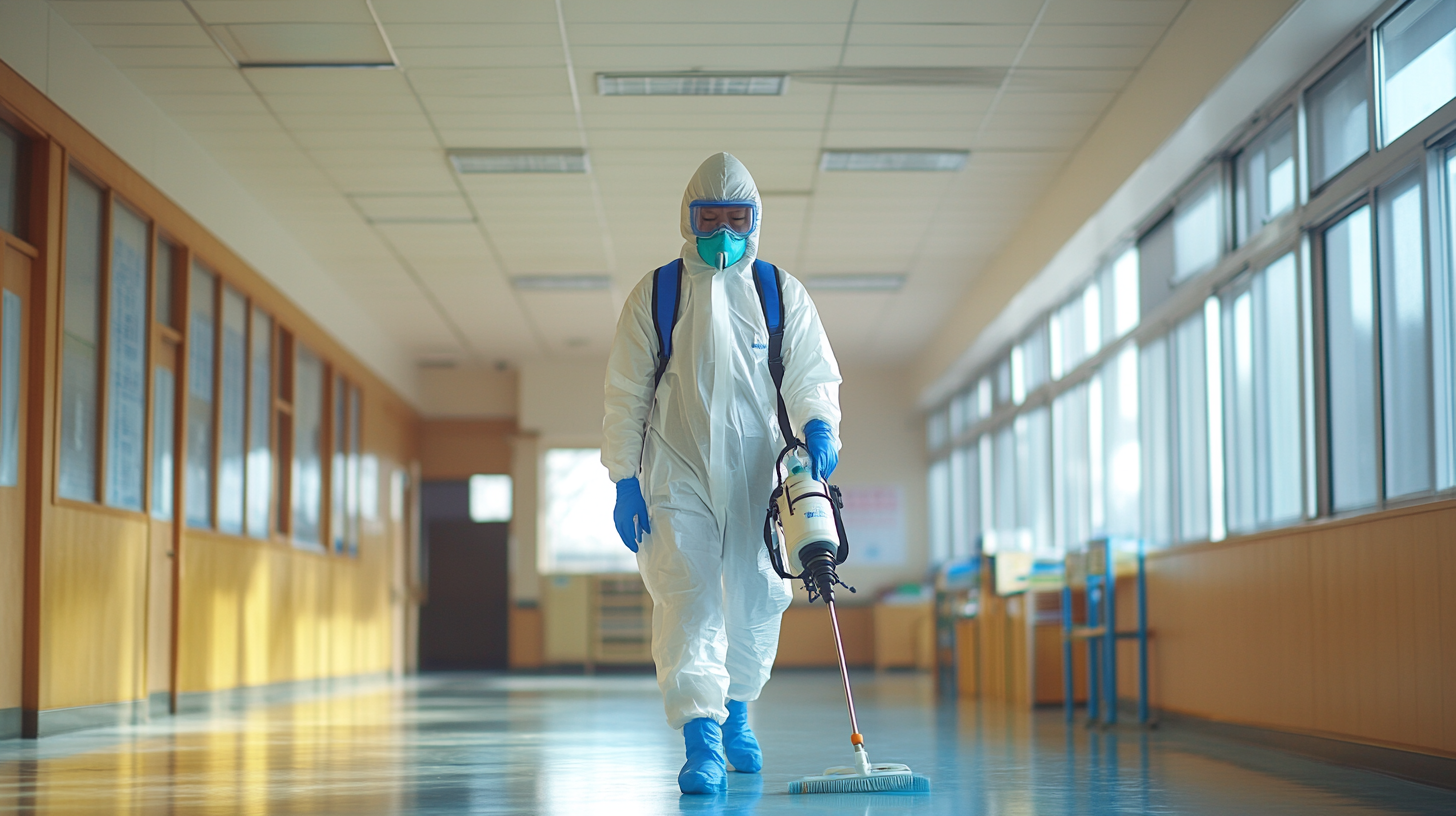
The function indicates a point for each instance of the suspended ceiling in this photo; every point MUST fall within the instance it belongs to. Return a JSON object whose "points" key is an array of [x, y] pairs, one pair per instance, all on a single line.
{"points": [[353, 161]]}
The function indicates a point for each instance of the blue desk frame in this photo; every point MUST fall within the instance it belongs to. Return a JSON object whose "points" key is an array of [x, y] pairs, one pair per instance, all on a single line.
{"points": [[1101, 633]]}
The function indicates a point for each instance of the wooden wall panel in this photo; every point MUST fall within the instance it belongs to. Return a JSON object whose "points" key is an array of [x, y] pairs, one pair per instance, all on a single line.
{"points": [[526, 638], [93, 609], [252, 611], [12, 594], [807, 641], [1342, 628], [458, 448]]}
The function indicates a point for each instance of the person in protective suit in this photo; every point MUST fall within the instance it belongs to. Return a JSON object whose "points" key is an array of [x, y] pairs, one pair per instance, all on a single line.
{"points": [[707, 453]]}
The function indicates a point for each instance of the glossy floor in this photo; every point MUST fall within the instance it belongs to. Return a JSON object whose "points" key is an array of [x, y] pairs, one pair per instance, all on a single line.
{"points": [[468, 744]]}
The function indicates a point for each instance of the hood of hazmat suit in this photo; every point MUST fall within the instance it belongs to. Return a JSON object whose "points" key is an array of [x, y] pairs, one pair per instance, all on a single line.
{"points": [[707, 457]]}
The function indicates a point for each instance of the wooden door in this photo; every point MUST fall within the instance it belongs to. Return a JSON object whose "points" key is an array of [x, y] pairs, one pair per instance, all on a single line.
{"points": [[15, 268], [464, 621]]}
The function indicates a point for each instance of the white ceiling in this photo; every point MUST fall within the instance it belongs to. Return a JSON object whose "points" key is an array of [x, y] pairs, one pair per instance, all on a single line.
{"points": [[353, 161]]}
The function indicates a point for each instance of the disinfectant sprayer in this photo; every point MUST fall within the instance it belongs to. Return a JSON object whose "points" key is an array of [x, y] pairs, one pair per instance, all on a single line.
{"points": [[804, 534]]}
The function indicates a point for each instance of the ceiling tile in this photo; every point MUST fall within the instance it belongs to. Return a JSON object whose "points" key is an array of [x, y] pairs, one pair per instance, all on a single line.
{"points": [[187, 34], [124, 12]]}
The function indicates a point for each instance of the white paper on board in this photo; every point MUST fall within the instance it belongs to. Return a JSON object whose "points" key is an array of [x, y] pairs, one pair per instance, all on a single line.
{"points": [[874, 521]]}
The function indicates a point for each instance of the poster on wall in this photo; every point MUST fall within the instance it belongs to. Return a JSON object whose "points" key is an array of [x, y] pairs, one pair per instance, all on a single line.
{"points": [[874, 520]]}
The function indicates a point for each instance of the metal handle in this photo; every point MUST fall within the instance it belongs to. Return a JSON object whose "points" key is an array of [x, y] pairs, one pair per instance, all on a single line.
{"points": [[844, 674]]}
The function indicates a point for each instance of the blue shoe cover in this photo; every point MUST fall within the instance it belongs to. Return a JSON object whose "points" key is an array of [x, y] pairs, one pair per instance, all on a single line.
{"points": [[740, 746], [704, 772]]}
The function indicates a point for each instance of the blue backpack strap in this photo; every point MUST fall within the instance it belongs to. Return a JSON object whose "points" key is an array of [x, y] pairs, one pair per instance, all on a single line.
{"points": [[666, 297], [770, 287]]}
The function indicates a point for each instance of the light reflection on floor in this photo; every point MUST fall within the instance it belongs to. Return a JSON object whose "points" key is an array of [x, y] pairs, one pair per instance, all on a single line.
{"points": [[488, 744]]}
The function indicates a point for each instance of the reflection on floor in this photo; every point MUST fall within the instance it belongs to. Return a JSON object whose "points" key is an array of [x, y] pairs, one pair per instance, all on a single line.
{"points": [[458, 744]]}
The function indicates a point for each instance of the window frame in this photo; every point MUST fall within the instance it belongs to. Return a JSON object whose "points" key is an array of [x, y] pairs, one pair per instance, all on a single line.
{"points": [[1327, 66], [109, 200]]}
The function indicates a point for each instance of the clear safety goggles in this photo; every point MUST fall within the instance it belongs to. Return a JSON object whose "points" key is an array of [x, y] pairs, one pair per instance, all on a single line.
{"points": [[711, 217]]}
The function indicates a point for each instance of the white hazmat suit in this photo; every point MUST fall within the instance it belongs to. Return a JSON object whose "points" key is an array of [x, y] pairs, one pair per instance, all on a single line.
{"points": [[707, 468]]}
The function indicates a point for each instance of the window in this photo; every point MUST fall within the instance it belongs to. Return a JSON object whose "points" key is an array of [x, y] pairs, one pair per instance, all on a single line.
{"points": [[968, 498], [1190, 429], [1404, 358], [1033, 483], [1029, 364], [1119, 283], [1262, 409], [1001, 521], [260, 409], [1071, 470], [964, 496], [338, 480], [1265, 177], [308, 447], [344, 473], [1197, 230], [956, 415], [11, 321], [232, 436], [1350, 361], [955, 504], [201, 310], [579, 536], [937, 430], [1155, 265], [1339, 112], [1004, 387], [11, 185], [164, 392], [1118, 464], [283, 436], [1443, 347], [126, 358], [1417, 64], [938, 496], [490, 498], [1156, 424], [1074, 331], [80, 345], [166, 262]]}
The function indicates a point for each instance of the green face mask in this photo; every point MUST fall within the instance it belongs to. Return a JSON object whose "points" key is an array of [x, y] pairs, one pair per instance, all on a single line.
{"points": [[725, 244]]}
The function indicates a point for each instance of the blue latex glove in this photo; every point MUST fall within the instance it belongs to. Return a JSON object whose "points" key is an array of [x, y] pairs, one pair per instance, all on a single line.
{"points": [[630, 514], [822, 453]]}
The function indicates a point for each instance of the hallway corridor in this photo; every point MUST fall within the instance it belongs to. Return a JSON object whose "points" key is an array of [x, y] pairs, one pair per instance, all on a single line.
{"points": [[481, 744]]}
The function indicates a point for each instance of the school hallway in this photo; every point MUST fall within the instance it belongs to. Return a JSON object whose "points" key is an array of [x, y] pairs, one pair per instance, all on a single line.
{"points": [[496, 744]]}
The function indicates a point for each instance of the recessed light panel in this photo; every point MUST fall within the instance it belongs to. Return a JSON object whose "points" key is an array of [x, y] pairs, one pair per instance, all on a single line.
{"points": [[567, 160], [894, 160], [562, 283], [856, 283], [691, 84]]}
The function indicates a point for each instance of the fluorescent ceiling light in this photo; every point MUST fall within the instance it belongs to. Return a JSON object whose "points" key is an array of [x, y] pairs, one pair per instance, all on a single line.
{"points": [[894, 160], [568, 160], [560, 283], [691, 84], [856, 283]]}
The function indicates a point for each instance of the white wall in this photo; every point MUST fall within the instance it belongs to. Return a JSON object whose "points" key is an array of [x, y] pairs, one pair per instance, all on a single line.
{"points": [[884, 443], [562, 400], [42, 47]]}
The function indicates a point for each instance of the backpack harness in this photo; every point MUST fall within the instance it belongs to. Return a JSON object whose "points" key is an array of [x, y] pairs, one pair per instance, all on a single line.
{"points": [[666, 300], [667, 297]]}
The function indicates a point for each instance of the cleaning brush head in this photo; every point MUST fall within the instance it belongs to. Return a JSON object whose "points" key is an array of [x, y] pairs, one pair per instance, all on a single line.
{"points": [[881, 779]]}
